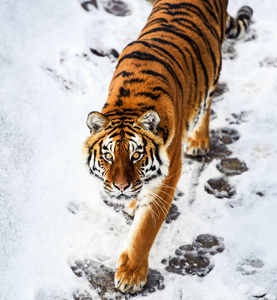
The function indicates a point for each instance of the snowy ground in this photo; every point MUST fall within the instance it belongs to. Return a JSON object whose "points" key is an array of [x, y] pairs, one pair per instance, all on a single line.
{"points": [[52, 217]]}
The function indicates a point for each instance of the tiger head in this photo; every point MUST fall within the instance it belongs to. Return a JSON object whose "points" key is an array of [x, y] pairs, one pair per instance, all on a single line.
{"points": [[126, 153]]}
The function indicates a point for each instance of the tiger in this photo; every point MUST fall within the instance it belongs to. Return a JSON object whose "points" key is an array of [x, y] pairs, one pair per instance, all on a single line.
{"points": [[157, 109]]}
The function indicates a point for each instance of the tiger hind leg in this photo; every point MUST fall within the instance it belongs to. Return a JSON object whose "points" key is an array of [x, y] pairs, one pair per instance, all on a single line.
{"points": [[197, 140]]}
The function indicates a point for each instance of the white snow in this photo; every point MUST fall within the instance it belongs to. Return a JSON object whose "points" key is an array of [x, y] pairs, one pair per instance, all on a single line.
{"points": [[51, 213]]}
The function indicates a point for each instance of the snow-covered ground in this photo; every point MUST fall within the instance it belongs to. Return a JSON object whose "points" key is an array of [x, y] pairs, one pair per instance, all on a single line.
{"points": [[51, 214]]}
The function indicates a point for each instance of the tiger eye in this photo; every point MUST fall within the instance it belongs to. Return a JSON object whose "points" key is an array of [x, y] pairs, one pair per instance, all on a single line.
{"points": [[136, 155], [108, 156]]}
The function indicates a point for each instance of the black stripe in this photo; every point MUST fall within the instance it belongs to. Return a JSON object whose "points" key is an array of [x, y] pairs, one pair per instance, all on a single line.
{"points": [[216, 7], [160, 89], [149, 95], [114, 135], [167, 54], [119, 102], [211, 93], [243, 15], [146, 161], [144, 56], [120, 113], [91, 149], [208, 3], [187, 125], [133, 80], [124, 74], [172, 13], [188, 7], [245, 24], [146, 107], [146, 44], [124, 92], [212, 14], [94, 158], [191, 43], [150, 178], [198, 31], [89, 158], [231, 27], [165, 42], [130, 128], [223, 20], [165, 133], [153, 73], [154, 21], [152, 156], [144, 140]]}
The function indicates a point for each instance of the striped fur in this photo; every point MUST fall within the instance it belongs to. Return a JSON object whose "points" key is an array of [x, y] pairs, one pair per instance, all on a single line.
{"points": [[158, 104]]}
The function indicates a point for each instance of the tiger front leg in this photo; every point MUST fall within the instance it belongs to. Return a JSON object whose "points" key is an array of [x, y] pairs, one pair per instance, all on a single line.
{"points": [[132, 265]]}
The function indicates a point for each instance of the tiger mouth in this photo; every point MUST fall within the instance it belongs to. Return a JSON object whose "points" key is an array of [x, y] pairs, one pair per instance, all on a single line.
{"points": [[118, 202], [109, 195], [124, 197]]}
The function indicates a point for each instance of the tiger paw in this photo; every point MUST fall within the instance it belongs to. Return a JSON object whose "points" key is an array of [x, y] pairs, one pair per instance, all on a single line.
{"points": [[130, 276], [199, 147]]}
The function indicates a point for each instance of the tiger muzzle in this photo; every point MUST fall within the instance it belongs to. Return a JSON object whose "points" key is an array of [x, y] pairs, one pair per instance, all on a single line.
{"points": [[122, 186]]}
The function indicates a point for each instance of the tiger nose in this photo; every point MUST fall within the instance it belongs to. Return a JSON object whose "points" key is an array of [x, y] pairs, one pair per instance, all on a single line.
{"points": [[121, 186]]}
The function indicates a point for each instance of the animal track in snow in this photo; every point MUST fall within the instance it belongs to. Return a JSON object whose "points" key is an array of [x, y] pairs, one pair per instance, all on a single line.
{"points": [[115, 7], [194, 259], [220, 187], [269, 61], [74, 72], [101, 279], [250, 266]]}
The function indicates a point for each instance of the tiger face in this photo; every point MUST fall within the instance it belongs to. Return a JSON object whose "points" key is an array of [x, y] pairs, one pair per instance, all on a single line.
{"points": [[126, 154]]}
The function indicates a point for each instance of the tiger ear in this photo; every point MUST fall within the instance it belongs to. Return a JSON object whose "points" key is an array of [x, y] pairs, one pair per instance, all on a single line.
{"points": [[96, 122], [150, 120]]}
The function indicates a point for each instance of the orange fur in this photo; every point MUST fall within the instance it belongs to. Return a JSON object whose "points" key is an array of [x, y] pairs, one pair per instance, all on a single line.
{"points": [[160, 94]]}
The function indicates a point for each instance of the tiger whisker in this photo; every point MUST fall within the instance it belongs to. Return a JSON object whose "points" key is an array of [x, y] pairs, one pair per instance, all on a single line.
{"points": [[164, 201], [161, 206], [168, 177], [152, 212], [172, 197], [160, 203], [162, 185], [154, 202], [157, 189], [153, 193]]}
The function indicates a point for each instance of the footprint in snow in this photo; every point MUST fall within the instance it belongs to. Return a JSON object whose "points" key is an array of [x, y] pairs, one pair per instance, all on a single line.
{"points": [[250, 266], [194, 259], [115, 7], [73, 71], [101, 280]]}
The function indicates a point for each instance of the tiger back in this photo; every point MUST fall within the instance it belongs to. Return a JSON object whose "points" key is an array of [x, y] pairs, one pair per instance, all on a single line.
{"points": [[158, 106]]}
